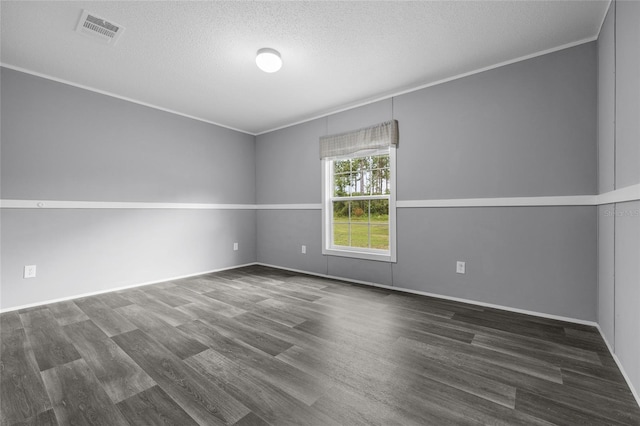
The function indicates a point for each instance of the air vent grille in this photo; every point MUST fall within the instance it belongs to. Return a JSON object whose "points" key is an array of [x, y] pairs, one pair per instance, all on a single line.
{"points": [[107, 32]]}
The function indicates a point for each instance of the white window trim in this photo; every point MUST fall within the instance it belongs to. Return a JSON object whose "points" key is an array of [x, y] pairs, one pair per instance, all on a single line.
{"points": [[358, 253]]}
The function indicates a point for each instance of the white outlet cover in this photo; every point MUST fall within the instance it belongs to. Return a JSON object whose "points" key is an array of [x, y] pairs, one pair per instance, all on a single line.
{"points": [[461, 267], [304, 249], [235, 246], [29, 271]]}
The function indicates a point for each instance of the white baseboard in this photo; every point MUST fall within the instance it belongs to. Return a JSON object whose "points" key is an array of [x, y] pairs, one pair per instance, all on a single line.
{"points": [[401, 289], [95, 293], [635, 393], [440, 296]]}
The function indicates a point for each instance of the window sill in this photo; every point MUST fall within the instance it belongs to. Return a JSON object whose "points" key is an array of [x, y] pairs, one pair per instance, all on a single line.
{"points": [[363, 255]]}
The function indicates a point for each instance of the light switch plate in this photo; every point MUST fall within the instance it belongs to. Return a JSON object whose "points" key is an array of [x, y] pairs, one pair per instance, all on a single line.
{"points": [[461, 267]]}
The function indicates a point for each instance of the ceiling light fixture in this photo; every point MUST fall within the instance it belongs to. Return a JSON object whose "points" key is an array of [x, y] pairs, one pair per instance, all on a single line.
{"points": [[268, 60]]}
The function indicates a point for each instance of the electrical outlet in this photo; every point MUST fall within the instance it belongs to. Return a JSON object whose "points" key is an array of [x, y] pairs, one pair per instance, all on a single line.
{"points": [[29, 271], [304, 249], [461, 267], [235, 246]]}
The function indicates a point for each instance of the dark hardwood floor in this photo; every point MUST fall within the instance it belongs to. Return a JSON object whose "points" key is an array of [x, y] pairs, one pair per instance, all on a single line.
{"points": [[259, 346]]}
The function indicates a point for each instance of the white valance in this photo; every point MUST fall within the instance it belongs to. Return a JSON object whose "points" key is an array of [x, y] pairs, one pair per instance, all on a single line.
{"points": [[375, 137]]}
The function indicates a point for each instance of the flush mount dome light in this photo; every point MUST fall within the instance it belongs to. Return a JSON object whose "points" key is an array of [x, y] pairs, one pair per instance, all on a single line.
{"points": [[268, 60]]}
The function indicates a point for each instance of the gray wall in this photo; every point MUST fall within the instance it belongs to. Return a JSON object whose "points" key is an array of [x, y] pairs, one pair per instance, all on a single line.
{"points": [[523, 130], [606, 104], [64, 143], [619, 166], [60, 142], [290, 182], [540, 259], [606, 270], [526, 129], [606, 173], [80, 251], [627, 288], [281, 233], [627, 93]]}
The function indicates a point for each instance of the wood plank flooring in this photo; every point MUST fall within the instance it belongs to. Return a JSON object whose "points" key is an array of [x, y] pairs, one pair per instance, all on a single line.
{"points": [[260, 346]]}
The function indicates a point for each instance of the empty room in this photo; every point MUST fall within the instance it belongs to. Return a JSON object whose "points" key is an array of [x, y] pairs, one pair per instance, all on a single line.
{"points": [[320, 213]]}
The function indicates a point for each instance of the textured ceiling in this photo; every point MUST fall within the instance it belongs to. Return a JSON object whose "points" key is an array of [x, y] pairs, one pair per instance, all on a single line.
{"points": [[197, 58]]}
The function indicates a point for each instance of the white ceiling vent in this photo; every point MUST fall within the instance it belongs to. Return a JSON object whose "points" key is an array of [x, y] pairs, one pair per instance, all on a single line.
{"points": [[98, 28]]}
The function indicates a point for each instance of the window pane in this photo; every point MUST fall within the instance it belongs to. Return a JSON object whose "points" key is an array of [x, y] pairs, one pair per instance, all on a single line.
{"points": [[380, 162], [352, 184], [341, 211], [360, 223], [341, 183], [355, 183], [380, 236], [359, 211], [360, 235], [360, 169], [340, 224], [379, 211], [341, 166], [380, 175], [340, 234], [369, 183], [379, 181], [380, 224]]}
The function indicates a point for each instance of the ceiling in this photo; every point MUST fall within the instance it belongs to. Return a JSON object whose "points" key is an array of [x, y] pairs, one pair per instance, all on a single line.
{"points": [[198, 58]]}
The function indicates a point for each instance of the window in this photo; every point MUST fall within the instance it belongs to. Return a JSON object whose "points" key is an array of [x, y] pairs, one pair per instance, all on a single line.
{"points": [[359, 204]]}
